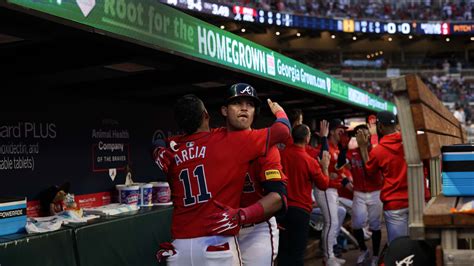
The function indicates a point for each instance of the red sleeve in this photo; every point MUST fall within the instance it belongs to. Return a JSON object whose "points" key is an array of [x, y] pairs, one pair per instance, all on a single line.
{"points": [[337, 182], [279, 132], [318, 177], [372, 166], [313, 152], [270, 166], [257, 142]]}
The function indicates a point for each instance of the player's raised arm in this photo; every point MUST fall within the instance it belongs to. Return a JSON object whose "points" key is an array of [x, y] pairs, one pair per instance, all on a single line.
{"points": [[281, 128]]}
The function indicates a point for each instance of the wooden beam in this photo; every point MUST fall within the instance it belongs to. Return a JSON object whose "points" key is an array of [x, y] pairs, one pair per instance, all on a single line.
{"points": [[438, 212], [418, 92], [465, 220], [429, 144], [424, 118]]}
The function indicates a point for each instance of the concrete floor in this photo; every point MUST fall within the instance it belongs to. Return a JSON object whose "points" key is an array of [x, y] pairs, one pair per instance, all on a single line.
{"points": [[313, 255]]}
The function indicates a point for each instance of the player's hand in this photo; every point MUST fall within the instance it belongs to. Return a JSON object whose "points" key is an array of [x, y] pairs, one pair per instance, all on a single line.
{"points": [[324, 128], [166, 250], [274, 106], [324, 162], [344, 140], [362, 139], [226, 221], [350, 186], [162, 157]]}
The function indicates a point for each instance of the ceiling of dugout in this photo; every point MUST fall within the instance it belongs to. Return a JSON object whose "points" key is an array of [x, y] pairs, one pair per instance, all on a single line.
{"points": [[45, 59]]}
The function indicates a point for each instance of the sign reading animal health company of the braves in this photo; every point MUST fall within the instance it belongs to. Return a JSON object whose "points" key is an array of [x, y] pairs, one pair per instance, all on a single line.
{"points": [[160, 26]]}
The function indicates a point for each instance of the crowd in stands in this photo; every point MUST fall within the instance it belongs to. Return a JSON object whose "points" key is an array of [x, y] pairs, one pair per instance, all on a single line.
{"points": [[460, 10], [447, 88]]}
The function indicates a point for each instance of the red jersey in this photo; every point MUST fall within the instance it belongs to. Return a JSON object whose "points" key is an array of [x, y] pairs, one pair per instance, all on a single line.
{"points": [[388, 157], [360, 179], [334, 153], [210, 165], [374, 139], [312, 151], [302, 170], [264, 169]]}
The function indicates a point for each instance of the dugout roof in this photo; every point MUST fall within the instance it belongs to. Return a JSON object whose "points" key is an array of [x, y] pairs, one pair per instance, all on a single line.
{"points": [[144, 51]]}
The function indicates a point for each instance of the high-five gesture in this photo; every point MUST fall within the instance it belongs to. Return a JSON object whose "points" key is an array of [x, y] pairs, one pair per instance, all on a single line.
{"points": [[323, 128]]}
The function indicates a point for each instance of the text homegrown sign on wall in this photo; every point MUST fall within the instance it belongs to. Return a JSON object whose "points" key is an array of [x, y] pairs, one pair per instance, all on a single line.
{"points": [[161, 26]]}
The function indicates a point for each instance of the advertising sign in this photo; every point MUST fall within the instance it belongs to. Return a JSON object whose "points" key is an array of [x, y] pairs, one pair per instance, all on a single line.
{"points": [[164, 27]]}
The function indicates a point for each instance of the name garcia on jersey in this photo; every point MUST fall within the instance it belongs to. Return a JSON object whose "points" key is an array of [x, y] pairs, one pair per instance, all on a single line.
{"points": [[191, 152]]}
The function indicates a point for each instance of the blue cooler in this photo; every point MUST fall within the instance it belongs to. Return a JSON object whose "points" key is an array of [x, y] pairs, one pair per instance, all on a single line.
{"points": [[12, 215], [458, 170]]}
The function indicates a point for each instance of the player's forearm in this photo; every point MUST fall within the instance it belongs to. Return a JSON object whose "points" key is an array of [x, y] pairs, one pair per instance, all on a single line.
{"points": [[324, 146], [280, 130], [364, 154], [271, 203]]}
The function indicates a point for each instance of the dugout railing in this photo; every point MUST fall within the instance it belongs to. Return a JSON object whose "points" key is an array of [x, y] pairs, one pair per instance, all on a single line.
{"points": [[426, 125]]}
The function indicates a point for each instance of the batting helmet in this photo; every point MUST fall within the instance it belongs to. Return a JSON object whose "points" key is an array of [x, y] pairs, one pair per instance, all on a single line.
{"points": [[243, 90]]}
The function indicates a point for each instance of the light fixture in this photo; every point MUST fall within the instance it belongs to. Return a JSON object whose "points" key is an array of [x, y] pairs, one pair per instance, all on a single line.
{"points": [[410, 37], [242, 30], [277, 33], [381, 52], [298, 34], [472, 38], [222, 27], [447, 39], [376, 53], [368, 56], [354, 38], [390, 39], [372, 55], [334, 36]]}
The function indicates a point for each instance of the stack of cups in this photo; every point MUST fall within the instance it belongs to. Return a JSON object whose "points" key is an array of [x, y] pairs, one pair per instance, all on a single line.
{"points": [[128, 194], [145, 198], [161, 193]]}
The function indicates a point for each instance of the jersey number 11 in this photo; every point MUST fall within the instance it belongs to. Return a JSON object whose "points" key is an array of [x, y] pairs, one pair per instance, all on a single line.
{"points": [[200, 175]]}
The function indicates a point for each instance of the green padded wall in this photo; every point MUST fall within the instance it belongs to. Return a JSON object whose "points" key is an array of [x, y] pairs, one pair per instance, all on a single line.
{"points": [[126, 240], [47, 249]]}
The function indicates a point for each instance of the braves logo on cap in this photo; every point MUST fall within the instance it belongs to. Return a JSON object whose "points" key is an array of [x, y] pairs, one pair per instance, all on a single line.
{"points": [[246, 90]]}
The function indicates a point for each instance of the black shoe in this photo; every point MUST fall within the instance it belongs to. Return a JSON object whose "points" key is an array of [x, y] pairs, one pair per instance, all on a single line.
{"points": [[337, 251]]}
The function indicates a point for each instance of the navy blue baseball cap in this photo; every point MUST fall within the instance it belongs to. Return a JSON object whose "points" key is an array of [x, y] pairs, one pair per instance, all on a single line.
{"points": [[243, 90], [386, 118], [337, 123]]}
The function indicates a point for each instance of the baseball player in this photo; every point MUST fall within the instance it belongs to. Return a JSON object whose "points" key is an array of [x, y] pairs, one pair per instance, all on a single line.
{"points": [[302, 171], [259, 242], [264, 182], [388, 158], [366, 204], [328, 200], [206, 174]]}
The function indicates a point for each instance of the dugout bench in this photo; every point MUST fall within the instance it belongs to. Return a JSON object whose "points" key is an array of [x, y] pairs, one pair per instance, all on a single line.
{"points": [[426, 125]]}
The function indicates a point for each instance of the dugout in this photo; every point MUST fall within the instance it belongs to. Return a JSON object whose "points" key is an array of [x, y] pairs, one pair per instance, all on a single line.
{"points": [[87, 85], [72, 72]]}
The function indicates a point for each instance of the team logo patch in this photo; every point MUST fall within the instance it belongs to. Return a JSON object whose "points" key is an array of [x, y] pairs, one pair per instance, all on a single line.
{"points": [[248, 185], [189, 144], [247, 91], [272, 174]]}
